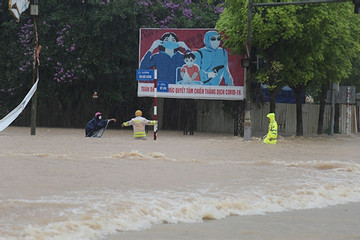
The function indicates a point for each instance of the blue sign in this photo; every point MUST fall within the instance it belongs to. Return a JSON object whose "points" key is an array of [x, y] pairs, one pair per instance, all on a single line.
{"points": [[162, 87], [145, 74]]}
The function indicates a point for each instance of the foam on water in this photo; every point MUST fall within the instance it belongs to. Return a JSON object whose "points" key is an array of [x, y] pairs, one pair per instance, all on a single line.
{"points": [[139, 156], [93, 215], [217, 189], [152, 156]]}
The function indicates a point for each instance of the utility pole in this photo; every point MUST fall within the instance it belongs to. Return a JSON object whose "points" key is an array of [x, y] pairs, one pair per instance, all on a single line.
{"points": [[247, 120], [34, 11]]}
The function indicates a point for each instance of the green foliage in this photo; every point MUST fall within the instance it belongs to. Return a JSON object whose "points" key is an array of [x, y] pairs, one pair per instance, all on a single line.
{"points": [[15, 64], [86, 47], [314, 42], [97, 44], [269, 75], [233, 22], [181, 14]]}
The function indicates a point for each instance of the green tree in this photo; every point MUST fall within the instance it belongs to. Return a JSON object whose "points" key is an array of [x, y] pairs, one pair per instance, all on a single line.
{"points": [[182, 13], [93, 48], [86, 47], [341, 49], [270, 78], [301, 38], [15, 59]]}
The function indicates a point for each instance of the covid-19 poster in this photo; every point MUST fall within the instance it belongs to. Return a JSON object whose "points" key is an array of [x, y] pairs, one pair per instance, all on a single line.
{"points": [[190, 63]]}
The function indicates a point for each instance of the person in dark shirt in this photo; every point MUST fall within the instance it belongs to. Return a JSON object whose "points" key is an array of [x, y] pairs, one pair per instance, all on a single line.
{"points": [[97, 126]]}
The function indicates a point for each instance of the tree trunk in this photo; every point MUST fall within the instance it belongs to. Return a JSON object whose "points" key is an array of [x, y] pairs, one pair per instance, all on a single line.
{"points": [[299, 123], [324, 89], [272, 101]]}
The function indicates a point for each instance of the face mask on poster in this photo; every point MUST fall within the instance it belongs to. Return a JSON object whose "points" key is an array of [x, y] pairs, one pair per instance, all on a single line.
{"points": [[170, 45]]}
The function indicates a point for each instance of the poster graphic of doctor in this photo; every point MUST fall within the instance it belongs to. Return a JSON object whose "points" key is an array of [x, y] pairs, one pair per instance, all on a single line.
{"points": [[213, 61]]}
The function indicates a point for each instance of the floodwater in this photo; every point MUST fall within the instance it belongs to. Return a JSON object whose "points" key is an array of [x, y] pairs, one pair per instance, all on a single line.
{"points": [[60, 185]]}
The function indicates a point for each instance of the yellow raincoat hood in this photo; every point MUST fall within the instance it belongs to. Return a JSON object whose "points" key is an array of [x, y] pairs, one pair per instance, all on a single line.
{"points": [[271, 116]]}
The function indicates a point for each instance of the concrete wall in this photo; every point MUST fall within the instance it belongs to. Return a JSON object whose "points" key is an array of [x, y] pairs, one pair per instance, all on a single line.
{"points": [[286, 118]]}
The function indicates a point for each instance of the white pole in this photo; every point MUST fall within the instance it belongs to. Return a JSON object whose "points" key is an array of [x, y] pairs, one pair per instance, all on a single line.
{"points": [[155, 103]]}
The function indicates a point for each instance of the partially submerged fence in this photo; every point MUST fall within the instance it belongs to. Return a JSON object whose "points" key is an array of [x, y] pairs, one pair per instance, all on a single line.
{"points": [[212, 118]]}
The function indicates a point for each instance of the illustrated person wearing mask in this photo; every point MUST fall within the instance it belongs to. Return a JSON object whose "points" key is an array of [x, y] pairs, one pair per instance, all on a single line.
{"points": [[190, 72], [213, 61], [167, 60], [139, 124], [97, 126], [271, 137]]}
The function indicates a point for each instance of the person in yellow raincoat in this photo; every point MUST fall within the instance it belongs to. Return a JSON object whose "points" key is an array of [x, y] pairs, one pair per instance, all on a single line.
{"points": [[271, 136], [138, 124]]}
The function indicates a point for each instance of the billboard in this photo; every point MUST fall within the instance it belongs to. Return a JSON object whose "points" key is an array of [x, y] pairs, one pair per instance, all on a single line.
{"points": [[190, 63]]}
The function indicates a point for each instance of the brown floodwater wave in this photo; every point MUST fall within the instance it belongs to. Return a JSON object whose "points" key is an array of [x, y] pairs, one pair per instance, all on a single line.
{"points": [[60, 185]]}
